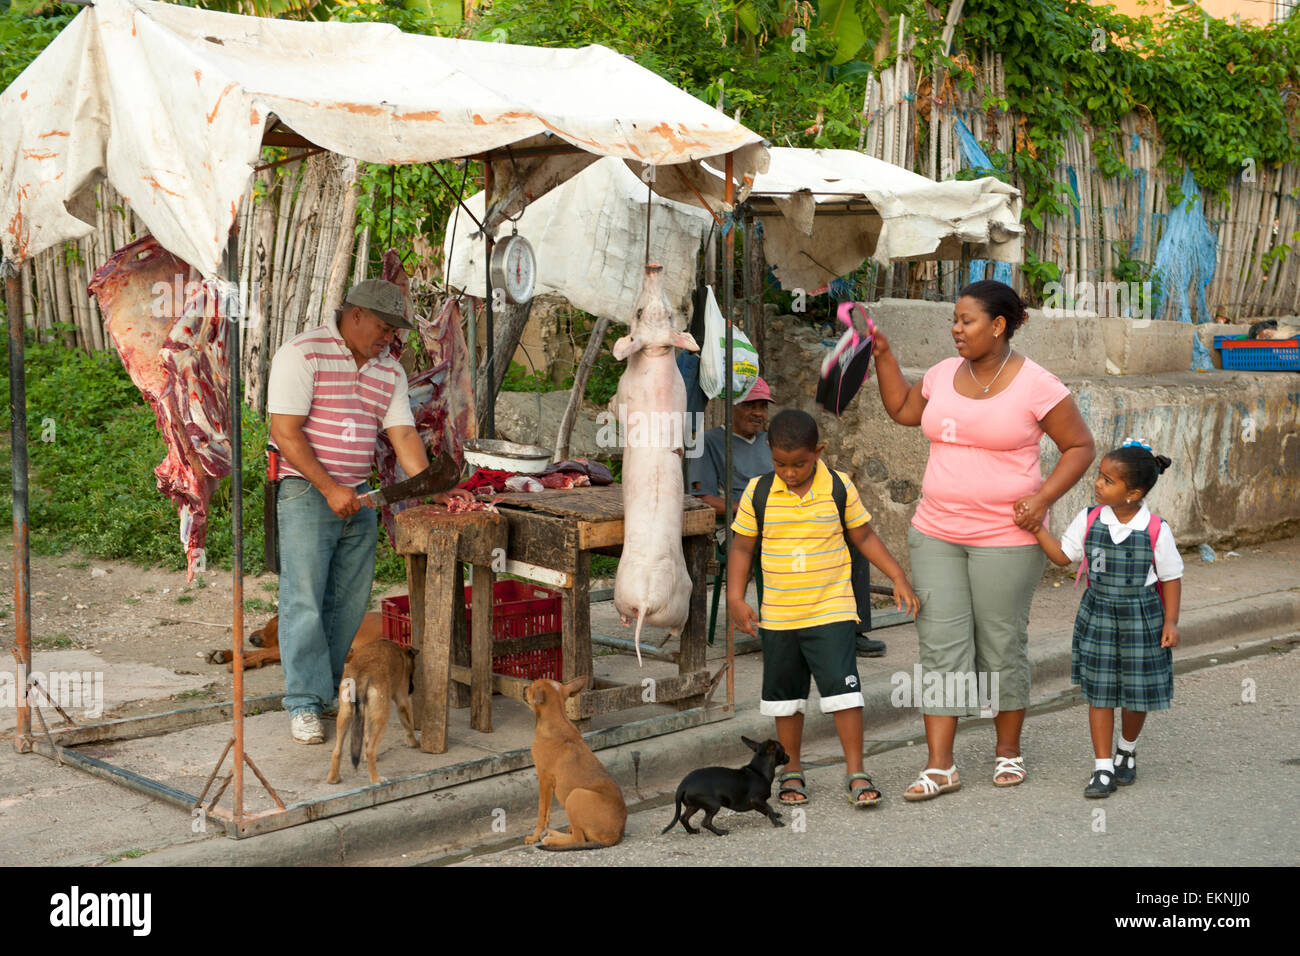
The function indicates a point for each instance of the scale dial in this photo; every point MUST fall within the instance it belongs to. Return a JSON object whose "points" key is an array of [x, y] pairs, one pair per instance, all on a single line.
{"points": [[514, 269]]}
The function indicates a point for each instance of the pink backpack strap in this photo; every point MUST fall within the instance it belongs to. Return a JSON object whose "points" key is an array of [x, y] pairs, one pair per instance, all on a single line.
{"points": [[1082, 573], [1153, 532]]}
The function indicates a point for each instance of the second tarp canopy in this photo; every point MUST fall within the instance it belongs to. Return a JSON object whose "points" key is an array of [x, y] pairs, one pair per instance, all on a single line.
{"points": [[825, 211]]}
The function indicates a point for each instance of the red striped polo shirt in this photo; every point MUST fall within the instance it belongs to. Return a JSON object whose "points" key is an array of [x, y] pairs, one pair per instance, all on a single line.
{"points": [[314, 374]]}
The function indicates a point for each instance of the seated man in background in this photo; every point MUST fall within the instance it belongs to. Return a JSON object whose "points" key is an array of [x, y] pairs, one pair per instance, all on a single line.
{"points": [[750, 457]]}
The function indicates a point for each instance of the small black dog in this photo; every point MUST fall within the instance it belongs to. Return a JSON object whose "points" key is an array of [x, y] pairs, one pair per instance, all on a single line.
{"points": [[748, 788]]}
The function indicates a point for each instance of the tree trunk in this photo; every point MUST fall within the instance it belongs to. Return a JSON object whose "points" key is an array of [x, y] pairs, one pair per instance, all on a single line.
{"points": [[509, 328], [580, 376]]}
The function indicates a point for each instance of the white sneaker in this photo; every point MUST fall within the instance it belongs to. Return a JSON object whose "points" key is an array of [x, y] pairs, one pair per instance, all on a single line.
{"points": [[306, 728]]}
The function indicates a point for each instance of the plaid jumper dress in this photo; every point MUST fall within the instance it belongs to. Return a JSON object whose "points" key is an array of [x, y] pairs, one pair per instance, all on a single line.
{"points": [[1116, 655]]}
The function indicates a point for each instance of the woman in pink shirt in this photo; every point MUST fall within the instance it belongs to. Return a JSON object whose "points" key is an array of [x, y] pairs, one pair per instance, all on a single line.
{"points": [[973, 557]]}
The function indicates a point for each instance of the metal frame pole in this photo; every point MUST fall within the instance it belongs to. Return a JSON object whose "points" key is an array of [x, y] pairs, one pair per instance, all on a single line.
{"points": [[489, 350], [728, 297], [236, 523], [18, 443]]}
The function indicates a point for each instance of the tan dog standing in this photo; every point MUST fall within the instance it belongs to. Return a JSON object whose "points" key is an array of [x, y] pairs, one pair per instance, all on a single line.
{"points": [[570, 772], [379, 673]]}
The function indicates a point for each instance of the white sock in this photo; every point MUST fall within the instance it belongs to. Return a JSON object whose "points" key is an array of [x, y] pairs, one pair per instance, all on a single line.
{"points": [[1129, 745], [1107, 764]]}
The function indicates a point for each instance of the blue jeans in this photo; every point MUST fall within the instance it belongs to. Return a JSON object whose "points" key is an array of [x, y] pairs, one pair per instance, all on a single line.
{"points": [[327, 565]]}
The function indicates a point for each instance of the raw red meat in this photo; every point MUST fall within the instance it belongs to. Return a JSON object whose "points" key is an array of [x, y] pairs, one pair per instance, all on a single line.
{"points": [[442, 397], [460, 506], [565, 479], [175, 353]]}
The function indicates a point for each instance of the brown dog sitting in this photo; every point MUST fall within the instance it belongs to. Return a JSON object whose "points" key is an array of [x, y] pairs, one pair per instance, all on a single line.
{"points": [[569, 771], [378, 675], [267, 642]]}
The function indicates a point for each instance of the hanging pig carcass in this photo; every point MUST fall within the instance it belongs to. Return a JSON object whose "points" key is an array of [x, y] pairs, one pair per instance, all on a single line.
{"points": [[652, 586]]}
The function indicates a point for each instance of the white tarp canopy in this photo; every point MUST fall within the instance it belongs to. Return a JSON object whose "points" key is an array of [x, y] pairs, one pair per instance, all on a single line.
{"points": [[589, 236], [170, 104], [910, 216]]}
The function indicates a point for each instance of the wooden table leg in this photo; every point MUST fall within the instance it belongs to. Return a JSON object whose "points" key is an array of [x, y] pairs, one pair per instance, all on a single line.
{"points": [[433, 665], [458, 693], [480, 695], [575, 640], [691, 657], [415, 571]]}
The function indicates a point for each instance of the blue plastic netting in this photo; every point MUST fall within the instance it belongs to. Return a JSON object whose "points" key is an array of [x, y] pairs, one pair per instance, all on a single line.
{"points": [[1185, 255], [975, 157]]}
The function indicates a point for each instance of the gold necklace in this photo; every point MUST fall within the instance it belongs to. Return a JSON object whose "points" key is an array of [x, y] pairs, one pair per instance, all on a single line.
{"points": [[995, 377]]}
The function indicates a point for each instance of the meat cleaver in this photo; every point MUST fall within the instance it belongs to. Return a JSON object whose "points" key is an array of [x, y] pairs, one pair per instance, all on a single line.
{"points": [[442, 475]]}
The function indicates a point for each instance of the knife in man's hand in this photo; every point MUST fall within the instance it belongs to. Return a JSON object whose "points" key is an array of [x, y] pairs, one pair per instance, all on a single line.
{"points": [[442, 475]]}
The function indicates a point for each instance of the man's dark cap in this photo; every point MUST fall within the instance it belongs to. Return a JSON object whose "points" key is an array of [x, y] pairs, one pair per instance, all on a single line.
{"points": [[381, 297]]}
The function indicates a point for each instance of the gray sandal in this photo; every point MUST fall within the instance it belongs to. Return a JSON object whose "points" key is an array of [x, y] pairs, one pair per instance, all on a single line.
{"points": [[800, 788], [854, 794]]}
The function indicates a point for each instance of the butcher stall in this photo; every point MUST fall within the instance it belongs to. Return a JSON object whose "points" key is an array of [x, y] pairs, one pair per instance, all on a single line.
{"points": [[91, 107]]}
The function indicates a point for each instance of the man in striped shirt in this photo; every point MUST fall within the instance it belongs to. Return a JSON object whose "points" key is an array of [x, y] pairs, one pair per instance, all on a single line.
{"points": [[809, 611], [331, 389]]}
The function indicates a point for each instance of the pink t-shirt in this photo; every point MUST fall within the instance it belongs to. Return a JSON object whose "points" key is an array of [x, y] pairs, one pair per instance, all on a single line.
{"points": [[983, 455]]}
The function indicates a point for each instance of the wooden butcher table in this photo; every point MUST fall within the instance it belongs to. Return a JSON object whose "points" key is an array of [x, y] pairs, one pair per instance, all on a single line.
{"points": [[550, 540], [556, 531]]}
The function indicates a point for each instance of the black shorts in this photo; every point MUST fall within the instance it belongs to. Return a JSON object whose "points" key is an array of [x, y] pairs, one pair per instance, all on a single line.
{"points": [[792, 658]]}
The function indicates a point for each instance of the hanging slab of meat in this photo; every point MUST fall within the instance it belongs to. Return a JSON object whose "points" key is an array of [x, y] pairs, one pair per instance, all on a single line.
{"points": [[652, 585], [166, 327], [442, 397]]}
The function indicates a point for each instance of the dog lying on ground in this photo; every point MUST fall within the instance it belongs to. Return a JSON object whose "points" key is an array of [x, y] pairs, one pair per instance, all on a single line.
{"points": [[712, 788], [267, 642], [376, 676], [570, 772]]}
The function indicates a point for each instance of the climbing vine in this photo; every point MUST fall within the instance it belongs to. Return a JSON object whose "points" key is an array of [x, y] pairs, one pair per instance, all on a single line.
{"points": [[1223, 96]]}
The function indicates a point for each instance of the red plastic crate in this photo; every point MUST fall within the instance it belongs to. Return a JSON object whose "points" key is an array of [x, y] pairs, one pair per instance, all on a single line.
{"points": [[519, 609]]}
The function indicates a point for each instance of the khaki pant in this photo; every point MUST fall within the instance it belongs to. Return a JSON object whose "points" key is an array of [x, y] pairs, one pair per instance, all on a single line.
{"points": [[975, 617]]}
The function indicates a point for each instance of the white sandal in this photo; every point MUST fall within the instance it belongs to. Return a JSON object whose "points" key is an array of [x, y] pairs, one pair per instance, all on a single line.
{"points": [[1011, 765], [930, 789]]}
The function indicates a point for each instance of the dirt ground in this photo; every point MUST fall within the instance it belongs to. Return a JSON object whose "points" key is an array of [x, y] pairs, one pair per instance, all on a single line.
{"points": [[121, 614]]}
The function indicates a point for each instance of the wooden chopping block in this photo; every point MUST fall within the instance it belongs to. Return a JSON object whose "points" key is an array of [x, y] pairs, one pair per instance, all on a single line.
{"points": [[481, 533], [435, 543]]}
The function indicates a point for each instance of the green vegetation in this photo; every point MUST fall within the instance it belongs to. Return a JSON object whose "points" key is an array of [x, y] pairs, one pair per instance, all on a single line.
{"points": [[126, 855], [1223, 95], [53, 642], [259, 606]]}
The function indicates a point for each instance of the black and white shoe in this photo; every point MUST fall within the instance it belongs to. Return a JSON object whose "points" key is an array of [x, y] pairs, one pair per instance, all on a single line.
{"points": [[1102, 784], [1126, 770]]}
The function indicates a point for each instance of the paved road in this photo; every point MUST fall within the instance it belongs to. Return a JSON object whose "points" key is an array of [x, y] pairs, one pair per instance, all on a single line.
{"points": [[1218, 784]]}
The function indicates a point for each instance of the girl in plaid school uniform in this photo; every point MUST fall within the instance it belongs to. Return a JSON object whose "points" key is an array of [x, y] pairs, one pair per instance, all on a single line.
{"points": [[1127, 623]]}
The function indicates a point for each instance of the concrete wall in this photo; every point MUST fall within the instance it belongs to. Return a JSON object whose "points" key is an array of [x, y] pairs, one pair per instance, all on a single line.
{"points": [[1234, 436]]}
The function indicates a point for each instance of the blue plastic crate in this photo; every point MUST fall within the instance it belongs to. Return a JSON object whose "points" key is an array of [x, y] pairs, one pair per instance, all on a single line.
{"points": [[1253, 355]]}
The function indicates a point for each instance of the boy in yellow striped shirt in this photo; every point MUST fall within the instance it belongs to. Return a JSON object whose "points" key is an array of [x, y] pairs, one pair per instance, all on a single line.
{"points": [[807, 516]]}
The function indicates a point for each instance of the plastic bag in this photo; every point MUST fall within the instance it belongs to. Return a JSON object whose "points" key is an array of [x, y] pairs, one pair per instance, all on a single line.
{"points": [[713, 355]]}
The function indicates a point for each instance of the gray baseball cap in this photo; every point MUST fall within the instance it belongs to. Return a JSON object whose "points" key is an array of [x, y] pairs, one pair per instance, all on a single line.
{"points": [[381, 297]]}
